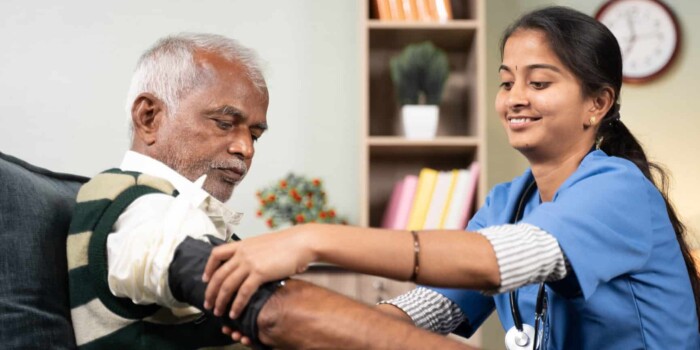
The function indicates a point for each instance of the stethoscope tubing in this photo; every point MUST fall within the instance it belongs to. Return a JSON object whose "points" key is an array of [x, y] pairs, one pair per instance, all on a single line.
{"points": [[540, 304]]}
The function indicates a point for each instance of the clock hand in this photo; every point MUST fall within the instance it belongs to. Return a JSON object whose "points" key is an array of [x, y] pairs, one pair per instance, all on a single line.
{"points": [[632, 38]]}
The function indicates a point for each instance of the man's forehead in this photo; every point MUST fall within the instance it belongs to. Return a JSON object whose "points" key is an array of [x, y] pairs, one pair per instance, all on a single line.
{"points": [[232, 74], [215, 62]]}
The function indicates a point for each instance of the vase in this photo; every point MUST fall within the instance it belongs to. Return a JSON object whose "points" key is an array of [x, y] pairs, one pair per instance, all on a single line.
{"points": [[419, 121]]}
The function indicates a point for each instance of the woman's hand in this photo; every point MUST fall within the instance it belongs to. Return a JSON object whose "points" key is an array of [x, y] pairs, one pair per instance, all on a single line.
{"points": [[241, 267]]}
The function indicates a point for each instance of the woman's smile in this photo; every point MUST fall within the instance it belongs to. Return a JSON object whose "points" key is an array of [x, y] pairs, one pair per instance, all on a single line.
{"points": [[519, 122]]}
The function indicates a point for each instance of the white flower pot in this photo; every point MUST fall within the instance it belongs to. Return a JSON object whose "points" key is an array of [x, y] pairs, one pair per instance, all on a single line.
{"points": [[419, 121]]}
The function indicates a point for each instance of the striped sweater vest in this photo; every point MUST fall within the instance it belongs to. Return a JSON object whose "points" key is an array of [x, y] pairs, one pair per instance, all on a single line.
{"points": [[101, 320]]}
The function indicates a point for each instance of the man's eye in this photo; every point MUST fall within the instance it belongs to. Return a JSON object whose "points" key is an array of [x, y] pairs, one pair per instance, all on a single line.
{"points": [[255, 137], [506, 85], [223, 125], [539, 85]]}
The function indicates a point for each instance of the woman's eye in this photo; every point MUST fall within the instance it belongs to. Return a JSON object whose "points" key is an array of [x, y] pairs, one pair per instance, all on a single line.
{"points": [[506, 85], [539, 85]]}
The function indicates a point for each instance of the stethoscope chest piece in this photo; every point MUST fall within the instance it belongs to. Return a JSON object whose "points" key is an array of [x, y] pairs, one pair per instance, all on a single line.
{"points": [[520, 340]]}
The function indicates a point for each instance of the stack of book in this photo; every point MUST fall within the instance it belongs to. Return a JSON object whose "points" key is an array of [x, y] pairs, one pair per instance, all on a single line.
{"points": [[413, 10], [432, 200]]}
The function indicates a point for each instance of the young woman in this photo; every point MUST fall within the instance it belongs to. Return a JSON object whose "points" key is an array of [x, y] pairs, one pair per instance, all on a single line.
{"points": [[581, 251]]}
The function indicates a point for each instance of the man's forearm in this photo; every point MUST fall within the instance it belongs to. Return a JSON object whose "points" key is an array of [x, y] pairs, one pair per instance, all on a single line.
{"points": [[303, 316]]}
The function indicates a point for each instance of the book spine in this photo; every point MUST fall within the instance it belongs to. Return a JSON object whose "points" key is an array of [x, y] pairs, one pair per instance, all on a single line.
{"points": [[424, 192]]}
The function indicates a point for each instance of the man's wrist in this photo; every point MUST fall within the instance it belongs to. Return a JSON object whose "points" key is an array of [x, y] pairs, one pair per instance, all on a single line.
{"points": [[269, 317]]}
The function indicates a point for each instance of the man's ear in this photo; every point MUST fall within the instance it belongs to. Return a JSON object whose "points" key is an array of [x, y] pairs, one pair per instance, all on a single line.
{"points": [[147, 113]]}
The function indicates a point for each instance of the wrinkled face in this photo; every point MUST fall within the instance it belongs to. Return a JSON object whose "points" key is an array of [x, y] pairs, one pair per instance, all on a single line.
{"points": [[215, 128], [540, 102]]}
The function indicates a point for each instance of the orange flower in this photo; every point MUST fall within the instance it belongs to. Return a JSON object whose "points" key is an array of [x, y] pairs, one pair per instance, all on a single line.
{"points": [[300, 218], [309, 204], [322, 215], [271, 198], [295, 195], [316, 182], [270, 223], [331, 213], [283, 184], [259, 213]]}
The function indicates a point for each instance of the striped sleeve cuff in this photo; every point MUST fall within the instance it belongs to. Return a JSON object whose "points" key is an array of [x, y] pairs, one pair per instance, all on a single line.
{"points": [[526, 254], [429, 310]]}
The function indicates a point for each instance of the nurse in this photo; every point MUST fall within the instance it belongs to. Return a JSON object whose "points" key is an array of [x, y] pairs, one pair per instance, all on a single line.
{"points": [[583, 251]]}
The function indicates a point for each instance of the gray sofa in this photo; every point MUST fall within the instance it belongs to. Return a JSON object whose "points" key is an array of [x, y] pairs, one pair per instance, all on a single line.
{"points": [[35, 211]]}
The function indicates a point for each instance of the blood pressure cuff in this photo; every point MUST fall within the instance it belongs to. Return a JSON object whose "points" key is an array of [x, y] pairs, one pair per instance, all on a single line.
{"points": [[185, 281]]}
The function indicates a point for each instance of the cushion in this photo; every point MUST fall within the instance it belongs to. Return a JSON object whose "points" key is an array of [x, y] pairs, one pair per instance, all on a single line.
{"points": [[35, 212]]}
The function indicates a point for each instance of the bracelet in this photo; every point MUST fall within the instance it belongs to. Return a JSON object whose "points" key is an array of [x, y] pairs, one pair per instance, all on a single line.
{"points": [[416, 256]]}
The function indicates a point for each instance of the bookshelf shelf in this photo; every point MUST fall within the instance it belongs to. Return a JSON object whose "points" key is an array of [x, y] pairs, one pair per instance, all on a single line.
{"points": [[445, 141], [463, 24]]}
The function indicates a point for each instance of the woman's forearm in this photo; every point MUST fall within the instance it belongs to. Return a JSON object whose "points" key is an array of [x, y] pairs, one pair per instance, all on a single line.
{"points": [[446, 258]]}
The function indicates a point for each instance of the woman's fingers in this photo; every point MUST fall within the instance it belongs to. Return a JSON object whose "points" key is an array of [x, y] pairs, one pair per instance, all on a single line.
{"points": [[216, 258], [229, 286], [246, 290], [215, 281]]}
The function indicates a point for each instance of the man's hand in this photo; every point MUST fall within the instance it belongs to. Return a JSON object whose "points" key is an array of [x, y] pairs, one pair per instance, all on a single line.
{"points": [[241, 267], [303, 316]]}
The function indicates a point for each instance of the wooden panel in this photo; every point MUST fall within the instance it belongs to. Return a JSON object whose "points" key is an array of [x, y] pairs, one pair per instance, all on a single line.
{"points": [[373, 289], [334, 279]]}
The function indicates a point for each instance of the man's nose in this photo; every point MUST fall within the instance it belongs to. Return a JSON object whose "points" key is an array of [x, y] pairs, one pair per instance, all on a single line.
{"points": [[242, 145]]}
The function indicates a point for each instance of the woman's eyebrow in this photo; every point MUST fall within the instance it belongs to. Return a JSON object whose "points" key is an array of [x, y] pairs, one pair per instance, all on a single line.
{"points": [[531, 67], [544, 66]]}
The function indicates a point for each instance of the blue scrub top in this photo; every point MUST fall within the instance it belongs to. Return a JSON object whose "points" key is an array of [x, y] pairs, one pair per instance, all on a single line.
{"points": [[629, 288]]}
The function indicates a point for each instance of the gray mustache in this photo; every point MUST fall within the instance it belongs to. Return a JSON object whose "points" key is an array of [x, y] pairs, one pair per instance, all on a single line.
{"points": [[234, 164]]}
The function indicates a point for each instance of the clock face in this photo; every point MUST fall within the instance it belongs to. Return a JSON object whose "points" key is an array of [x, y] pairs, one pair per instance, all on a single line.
{"points": [[647, 33]]}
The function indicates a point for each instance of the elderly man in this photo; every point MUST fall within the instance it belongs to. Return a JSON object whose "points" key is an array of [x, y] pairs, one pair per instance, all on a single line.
{"points": [[197, 104], [142, 233]]}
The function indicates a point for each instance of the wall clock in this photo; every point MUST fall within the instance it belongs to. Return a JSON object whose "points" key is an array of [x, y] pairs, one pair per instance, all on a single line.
{"points": [[648, 34]]}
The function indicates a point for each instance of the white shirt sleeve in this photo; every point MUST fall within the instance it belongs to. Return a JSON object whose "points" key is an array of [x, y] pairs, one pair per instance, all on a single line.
{"points": [[145, 237], [429, 310], [526, 254]]}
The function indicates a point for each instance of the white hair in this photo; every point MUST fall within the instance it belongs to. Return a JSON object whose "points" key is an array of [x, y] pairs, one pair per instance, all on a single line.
{"points": [[168, 69]]}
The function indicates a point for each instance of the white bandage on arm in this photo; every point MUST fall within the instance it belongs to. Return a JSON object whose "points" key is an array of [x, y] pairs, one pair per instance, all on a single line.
{"points": [[429, 310], [526, 254]]}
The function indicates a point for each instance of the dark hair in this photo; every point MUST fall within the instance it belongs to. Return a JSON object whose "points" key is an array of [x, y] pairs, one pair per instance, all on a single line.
{"points": [[589, 50]]}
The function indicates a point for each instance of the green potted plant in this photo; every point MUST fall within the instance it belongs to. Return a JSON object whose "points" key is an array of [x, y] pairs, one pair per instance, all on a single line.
{"points": [[419, 74], [294, 200]]}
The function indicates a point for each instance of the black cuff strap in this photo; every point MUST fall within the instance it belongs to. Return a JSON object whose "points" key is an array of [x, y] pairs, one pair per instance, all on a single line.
{"points": [[185, 281]]}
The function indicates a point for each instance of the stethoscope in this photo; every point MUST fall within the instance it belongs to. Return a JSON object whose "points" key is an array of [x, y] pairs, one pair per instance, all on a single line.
{"points": [[523, 336]]}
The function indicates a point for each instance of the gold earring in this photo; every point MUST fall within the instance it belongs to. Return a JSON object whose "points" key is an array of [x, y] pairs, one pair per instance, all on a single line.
{"points": [[591, 121]]}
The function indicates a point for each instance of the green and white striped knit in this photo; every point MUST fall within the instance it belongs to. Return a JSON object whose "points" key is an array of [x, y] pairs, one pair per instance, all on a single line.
{"points": [[101, 320]]}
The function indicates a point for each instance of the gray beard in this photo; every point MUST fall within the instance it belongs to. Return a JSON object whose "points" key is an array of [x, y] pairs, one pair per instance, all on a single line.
{"points": [[193, 170]]}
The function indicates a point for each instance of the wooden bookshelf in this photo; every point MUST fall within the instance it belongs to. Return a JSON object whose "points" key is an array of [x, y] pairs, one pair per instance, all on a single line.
{"points": [[386, 156]]}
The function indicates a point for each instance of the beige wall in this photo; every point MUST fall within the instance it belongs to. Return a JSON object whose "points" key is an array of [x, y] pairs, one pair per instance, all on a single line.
{"points": [[662, 114]]}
